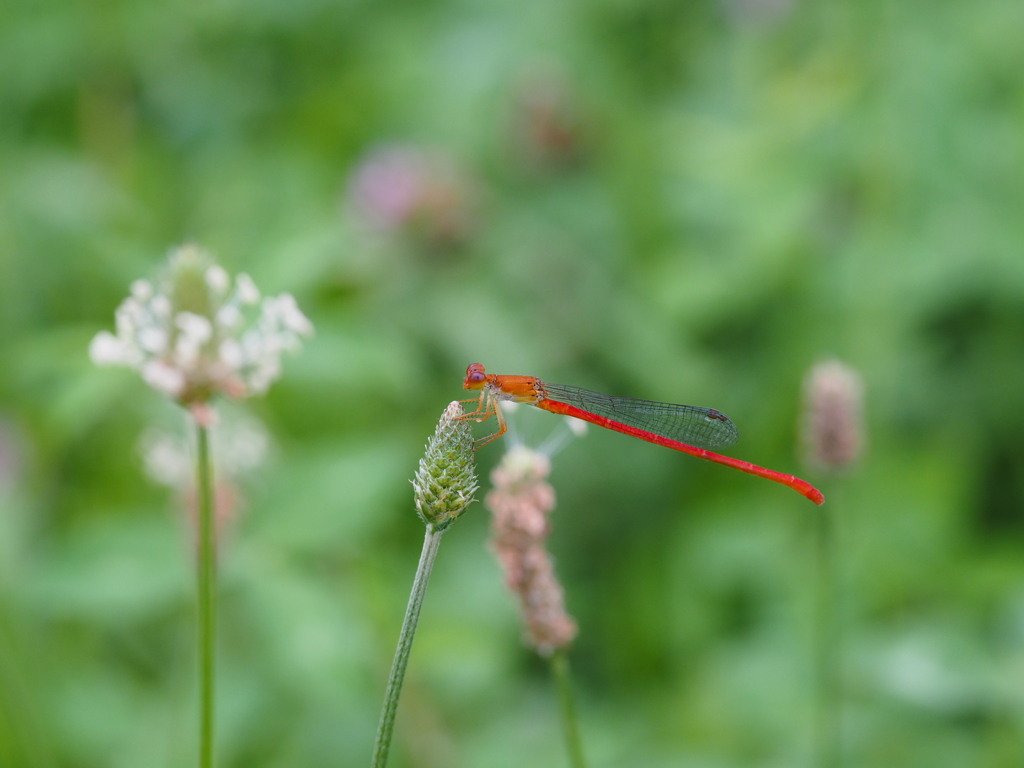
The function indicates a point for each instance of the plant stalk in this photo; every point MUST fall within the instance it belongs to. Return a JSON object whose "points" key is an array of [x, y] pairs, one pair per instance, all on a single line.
{"points": [[206, 597], [827, 643], [570, 725], [381, 747]]}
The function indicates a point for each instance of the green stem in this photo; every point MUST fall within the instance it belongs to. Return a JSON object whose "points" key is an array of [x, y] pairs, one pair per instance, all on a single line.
{"points": [[563, 679], [412, 614], [206, 597], [827, 651]]}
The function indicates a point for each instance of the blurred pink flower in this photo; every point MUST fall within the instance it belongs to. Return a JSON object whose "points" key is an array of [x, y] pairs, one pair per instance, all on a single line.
{"points": [[833, 427], [413, 191], [520, 503]]}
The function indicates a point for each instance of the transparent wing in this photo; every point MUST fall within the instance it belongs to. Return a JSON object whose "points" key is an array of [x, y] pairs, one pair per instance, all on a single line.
{"points": [[702, 427]]}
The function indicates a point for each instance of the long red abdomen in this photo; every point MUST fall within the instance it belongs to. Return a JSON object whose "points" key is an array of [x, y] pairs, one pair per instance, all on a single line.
{"points": [[800, 486]]}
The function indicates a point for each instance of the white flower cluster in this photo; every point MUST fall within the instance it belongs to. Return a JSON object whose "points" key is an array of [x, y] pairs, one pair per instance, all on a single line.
{"points": [[197, 333], [241, 448]]}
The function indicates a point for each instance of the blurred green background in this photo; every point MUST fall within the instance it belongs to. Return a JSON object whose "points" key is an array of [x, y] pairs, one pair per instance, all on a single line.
{"points": [[692, 202]]}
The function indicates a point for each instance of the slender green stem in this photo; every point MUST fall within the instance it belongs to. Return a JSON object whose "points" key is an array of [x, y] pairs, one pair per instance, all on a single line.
{"points": [[412, 614], [563, 679], [206, 597], [827, 650]]}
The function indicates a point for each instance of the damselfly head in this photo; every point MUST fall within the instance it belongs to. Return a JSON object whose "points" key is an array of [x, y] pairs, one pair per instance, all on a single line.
{"points": [[475, 377]]}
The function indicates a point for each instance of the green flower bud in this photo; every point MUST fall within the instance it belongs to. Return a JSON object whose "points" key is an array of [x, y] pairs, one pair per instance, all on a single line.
{"points": [[446, 480]]}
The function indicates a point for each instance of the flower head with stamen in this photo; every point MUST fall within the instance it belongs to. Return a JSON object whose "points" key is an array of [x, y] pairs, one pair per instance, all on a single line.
{"points": [[239, 452], [195, 332]]}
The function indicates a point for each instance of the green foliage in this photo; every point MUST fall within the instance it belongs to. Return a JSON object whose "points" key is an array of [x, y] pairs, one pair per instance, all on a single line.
{"points": [[736, 189]]}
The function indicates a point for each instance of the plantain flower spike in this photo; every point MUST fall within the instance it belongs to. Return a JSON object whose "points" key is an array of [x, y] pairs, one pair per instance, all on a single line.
{"points": [[521, 502], [833, 423], [195, 332], [446, 481]]}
